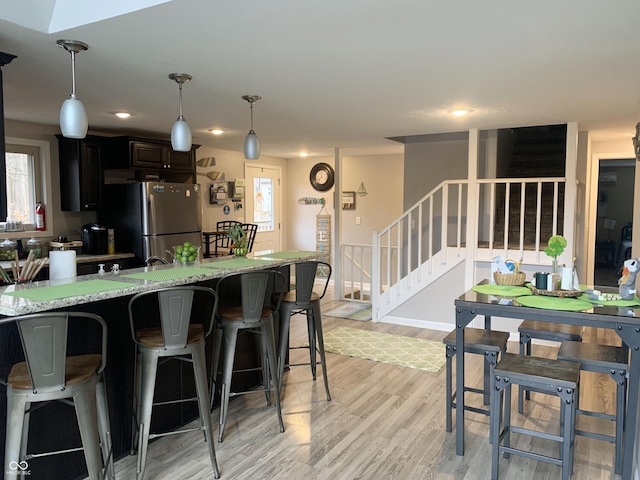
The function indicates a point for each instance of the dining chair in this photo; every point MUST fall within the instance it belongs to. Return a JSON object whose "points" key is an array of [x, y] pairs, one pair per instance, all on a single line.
{"points": [[222, 242], [607, 360], [251, 229], [552, 332], [553, 377], [50, 374], [170, 324], [491, 344]]}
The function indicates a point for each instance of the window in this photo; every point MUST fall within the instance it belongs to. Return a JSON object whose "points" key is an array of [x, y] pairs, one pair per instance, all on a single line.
{"points": [[263, 203], [21, 183], [28, 180]]}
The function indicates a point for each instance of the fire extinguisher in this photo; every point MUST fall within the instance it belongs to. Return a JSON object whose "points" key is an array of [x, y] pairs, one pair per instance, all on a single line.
{"points": [[40, 217]]}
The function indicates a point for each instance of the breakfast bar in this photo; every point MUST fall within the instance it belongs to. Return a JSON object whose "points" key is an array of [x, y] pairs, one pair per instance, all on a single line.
{"points": [[621, 319], [108, 296]]}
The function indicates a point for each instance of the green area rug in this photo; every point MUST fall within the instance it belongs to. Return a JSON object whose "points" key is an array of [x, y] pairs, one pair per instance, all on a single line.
{"points": [[386, 348], [352, 311]]}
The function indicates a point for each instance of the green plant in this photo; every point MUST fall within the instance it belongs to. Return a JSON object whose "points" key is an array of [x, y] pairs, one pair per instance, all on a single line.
{"points": [[555, 247], [238, 236]]}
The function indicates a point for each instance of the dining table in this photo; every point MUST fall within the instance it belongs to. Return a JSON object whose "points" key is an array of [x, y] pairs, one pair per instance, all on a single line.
{"points": [[518, 303]]}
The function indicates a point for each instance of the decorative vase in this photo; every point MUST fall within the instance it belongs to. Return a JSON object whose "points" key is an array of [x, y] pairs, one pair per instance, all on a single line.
{"points": [[240, 251], [557, 275]]}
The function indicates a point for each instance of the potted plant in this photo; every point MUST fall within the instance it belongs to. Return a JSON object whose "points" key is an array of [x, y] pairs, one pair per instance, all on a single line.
{"points": [[239, 240], [555, 247]]}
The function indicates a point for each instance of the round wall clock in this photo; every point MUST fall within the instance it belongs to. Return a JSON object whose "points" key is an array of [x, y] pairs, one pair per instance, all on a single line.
{"points": [[321, 177]]}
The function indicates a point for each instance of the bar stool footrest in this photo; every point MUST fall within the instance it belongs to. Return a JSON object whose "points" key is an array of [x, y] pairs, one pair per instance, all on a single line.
{"points": [[531, 455]]}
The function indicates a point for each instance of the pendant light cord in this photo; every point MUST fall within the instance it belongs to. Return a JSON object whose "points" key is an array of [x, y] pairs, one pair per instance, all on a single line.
{"points": [[252, 116], [180, 85]]}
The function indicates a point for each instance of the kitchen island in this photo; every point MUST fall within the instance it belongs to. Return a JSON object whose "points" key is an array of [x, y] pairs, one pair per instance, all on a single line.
{"points": [[108, 295]]}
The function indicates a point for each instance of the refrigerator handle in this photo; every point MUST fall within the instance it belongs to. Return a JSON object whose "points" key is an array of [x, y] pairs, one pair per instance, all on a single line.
{"points": [[152, 213]]}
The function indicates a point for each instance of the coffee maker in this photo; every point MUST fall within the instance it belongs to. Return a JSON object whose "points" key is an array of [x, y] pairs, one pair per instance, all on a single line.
{"points": [[94, 239]]}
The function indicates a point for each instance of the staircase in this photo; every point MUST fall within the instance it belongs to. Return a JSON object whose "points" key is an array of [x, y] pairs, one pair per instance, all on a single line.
{"points": [[537, 152], [527, 202]]}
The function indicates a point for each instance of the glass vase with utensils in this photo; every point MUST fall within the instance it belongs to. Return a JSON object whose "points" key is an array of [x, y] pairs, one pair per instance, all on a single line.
{"points": [[25, 273]]}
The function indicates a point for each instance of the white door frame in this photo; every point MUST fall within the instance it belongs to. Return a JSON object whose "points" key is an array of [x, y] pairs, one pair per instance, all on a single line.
{"points": [[592, 199], [278, 201]]}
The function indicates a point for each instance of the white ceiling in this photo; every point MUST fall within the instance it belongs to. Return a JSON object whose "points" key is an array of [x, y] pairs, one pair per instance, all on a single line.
{"points": [[338, 73]]}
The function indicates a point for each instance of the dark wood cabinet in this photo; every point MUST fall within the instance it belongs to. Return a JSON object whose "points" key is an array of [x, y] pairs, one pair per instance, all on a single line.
{"points": [[159, 155], [81, 168]]}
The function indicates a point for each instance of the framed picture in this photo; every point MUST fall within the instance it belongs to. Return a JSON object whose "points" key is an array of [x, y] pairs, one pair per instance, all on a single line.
{"points": [[348, 200]]}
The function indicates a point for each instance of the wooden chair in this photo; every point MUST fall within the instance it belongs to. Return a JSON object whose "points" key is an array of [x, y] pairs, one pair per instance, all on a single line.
{"points": [[220, 239]]}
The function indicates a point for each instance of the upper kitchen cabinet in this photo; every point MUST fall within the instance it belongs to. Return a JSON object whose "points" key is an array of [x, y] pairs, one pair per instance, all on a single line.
{"points": [[160, 155], [81, 167]]}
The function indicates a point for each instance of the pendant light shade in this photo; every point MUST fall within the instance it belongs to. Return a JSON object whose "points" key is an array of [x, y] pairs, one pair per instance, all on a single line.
{"points": [[251, 142], [180, 132], [73, 116]]}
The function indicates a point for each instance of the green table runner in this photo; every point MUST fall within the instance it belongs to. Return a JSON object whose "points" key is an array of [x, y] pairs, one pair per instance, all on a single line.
{"points": [[56, 292], [635, 302], [554, 303], [238, 262], [288, 255], [502, 290], [169, 274]]}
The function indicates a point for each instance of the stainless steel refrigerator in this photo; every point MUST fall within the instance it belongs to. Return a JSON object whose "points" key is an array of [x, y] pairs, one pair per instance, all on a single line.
{"points": [[149, 218]]}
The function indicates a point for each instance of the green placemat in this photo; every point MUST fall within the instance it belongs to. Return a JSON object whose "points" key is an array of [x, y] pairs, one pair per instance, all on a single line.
{"points": [[56, 292], [502, 290], [554, 303], [289, 255], [238, 262], [169, 274], [635, 302]]}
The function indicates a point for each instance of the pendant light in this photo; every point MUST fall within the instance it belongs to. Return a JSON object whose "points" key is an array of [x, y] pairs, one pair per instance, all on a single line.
{"points": [[252, 142], [73, 116], [180, 132]]}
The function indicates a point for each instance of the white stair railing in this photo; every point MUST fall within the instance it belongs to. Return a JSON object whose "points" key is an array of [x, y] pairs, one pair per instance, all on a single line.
{"points": [[430, 237], [355, 283]]}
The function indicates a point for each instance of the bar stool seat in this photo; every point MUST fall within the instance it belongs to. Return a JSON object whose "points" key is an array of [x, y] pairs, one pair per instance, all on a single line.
{"points": [[553, 332], [179, 337], [491, 344], [554, 377], [610, 360], [48, 374]]}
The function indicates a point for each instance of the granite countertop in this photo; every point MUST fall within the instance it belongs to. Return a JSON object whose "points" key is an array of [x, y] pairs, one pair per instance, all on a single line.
{"points": [[42, 296]]}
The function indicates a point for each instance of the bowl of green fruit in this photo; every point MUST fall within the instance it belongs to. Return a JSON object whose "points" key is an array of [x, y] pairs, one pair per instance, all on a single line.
{"points": [[186, 253]]}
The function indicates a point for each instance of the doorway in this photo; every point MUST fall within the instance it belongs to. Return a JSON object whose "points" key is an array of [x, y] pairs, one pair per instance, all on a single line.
{"points": [[264, 205], [614, 217]]}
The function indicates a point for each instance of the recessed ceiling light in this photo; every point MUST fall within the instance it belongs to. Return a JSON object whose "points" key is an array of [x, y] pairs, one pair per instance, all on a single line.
{"points": [[216, 131], [460, 112], [122, 114], [303, 154]]}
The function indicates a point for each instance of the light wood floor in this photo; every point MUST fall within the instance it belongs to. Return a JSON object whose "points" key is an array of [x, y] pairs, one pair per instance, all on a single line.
{"points": [[383, 422]]}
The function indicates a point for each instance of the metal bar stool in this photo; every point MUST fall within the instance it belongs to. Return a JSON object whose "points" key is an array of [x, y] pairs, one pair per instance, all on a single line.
{"points": [[554, 332], [180, 336], [251, 313], [610, 360], [48, 374], [491, 344], [305, 301], [554, 377]]}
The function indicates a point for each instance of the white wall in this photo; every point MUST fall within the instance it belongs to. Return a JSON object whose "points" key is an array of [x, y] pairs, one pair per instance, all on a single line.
{"points": [[232, 165], [382, 176]]}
